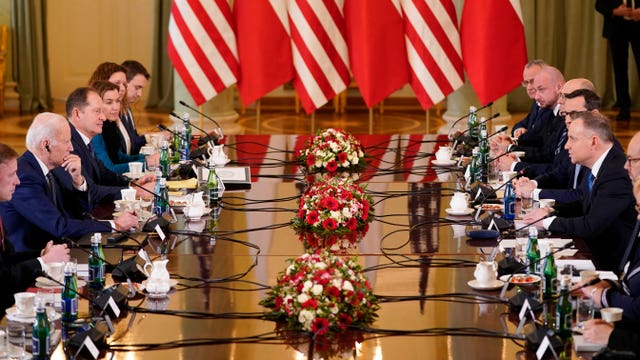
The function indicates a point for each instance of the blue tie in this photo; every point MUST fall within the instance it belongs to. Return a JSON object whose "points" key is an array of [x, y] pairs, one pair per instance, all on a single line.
{"points": [[563, 139], [591, 180]]}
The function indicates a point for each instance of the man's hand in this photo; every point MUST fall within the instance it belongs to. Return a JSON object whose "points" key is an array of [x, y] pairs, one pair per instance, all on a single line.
{"points": [[597, 331], [73, 165], [55, 253], [519, 132], [623, 10], [595, 291], [536, 216], [145, 190], [524, 186], [505, 162], [500, 143], [126, 221]]}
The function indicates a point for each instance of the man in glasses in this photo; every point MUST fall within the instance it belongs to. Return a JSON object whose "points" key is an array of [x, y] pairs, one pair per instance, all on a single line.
{"points": [[633, 157], [534, 122]]}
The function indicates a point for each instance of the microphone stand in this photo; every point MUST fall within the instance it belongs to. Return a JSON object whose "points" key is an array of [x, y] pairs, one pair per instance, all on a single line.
{"points": [[460, 118], [206, 134], [220, 127]]}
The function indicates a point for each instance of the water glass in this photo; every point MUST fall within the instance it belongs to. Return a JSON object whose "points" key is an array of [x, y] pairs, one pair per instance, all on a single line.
{"points": [[566, 270], [522, 241], [15, 342], [526, 204], [585, 309], [3, 342]]}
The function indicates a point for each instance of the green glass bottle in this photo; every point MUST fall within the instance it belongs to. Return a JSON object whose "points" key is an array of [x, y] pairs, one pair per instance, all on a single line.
{"points": [[41, 334], [472, 123], [549, 276], [484, 154], [69, 295], [175, 156], [96, 265], [564, 309], [164, 159], [533, 252], [213, 185]]}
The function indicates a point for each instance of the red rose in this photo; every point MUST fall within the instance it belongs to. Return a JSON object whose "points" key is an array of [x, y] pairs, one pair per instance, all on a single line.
{"points": [[352, 224], [332, 166], [310, 304], [311, 160], [312, 217], [342, 157], [333, 291], [330, 224], [302, 213]]}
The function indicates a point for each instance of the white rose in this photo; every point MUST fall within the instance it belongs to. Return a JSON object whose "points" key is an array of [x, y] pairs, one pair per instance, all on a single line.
{"points": [[316, 289], [334, 310], [337, 283], [347, 285], [320, 265], [337, 215], [355, 160], [334, 147], [302, 298], [347, 213], [307, 285], [306, 317], [290, 269]]}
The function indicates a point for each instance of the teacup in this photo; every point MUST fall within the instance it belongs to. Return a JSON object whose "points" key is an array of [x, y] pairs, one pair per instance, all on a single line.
{"points": [[611, 314], [459, 201], [443, 153], [486, 272], [56, 270], [128, 194], [135, 168], [25, 302]]}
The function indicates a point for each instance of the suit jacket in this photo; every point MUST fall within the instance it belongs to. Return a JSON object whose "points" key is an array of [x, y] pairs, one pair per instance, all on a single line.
{"points": [[614, 25], [137, 140], [569, 193], [106, 183], [545, 153], [535, 122], [17, 273], [606, 217], [31, 218]]}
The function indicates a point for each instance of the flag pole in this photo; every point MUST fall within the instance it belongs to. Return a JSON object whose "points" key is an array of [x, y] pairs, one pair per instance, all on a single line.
{"points": [[258, 103], [370, 121]]}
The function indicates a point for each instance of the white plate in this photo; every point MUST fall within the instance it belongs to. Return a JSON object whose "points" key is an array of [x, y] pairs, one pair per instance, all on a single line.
{"points": [[172, 284], [14, 315], [144, 216], [466, 211], [493, 285], [158, 295], [131, 176], [514, 279], [43, 282], [444, 162]]}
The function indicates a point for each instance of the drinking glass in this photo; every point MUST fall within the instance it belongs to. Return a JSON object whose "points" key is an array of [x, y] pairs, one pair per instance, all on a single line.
{"points": [[584, 310], [3, 342], [15, 342], [526, 204], [522, 240]]}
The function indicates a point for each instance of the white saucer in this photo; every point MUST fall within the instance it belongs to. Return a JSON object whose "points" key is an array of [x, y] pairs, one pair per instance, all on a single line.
{"points": [[157, 295], [494, 285], [13, 311], [43, 282], [444, 162], [134, 176], [466, 211], [14, 315], [143, 285]]}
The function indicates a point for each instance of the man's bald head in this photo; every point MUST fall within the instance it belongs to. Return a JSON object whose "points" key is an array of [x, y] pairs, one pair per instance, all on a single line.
{"points": [[633, 157]]}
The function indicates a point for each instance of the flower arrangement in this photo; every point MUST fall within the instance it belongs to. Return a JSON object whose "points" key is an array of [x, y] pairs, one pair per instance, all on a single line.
{"points": [[332, 150], [323, 294], [333, 214]]}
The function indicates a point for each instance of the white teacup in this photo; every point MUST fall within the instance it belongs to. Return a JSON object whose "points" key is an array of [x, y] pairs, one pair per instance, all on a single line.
{"points": [[135, 168], [56, 270], [611, 314], [25, 302], [443, 153], [128, 194], [459, 201], [486, 272]]}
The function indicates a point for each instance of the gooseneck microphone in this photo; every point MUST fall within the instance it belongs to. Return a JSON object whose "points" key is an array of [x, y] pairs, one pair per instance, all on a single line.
{"points": [[206, 138], [162, 127], [465, 116], [221, 135]]}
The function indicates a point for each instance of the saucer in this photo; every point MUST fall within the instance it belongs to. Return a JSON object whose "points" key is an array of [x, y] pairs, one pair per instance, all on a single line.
{"points": [[451, 211], [13, 311], [134, 176], [157, 295], [493, 285], [14, 315], [172, 284], [444, 162], [205, 212], [43, 282]]}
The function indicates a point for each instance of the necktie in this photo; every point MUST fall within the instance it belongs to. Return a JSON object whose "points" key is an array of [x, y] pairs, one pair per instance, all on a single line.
{"points": [[563, 139], [52, 188], [590, 181], [2, 235], [93, 155]]}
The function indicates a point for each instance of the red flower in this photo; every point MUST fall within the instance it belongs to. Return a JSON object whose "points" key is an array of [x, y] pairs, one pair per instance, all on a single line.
{"points": [[332, 166], [313, 217], [365, 210], [310, 304], [302, 213], [342, 157], [344, 321], [330, 203], [320, 326], [311, 160], [333, 291], [352, 224], [330, 224]]}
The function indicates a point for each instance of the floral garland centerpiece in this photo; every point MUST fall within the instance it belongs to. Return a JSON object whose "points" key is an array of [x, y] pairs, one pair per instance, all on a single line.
{"points": [[334, 214], [322, 294], [332, 150]]}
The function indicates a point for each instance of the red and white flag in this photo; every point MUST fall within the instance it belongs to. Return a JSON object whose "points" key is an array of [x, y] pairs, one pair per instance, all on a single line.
{"points": [[377, 50], [494, 48], [433, 49], [264, 47], [202, 46], [320, 56]]}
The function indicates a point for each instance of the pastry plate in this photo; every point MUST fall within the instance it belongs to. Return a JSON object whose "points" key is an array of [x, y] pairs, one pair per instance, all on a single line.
{"points": [[466, 211], [493, 285], [521, 279]]}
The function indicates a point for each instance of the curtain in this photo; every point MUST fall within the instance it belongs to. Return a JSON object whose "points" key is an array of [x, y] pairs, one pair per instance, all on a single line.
{"points": [[161, 86], [29, 54]]}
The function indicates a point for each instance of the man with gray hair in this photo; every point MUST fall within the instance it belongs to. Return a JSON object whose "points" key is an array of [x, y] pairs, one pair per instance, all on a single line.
{"points": [[51, 199], [606, 216]]}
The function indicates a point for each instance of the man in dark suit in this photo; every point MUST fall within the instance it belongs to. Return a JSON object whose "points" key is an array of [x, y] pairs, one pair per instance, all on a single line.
{"points": [[531, 126], [621, 28], [137, 79], [19, 272], [52, 195], [606, 217], [84, 113]]}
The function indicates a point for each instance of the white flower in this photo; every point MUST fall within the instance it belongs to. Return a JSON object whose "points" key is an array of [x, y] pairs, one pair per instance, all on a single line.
{"points": [[320, 265], [290, 268], [334, 146], [307, 285], [347, 285], [306, 317], [337, 215], [347, 213], [302, 298], [316, 289], [337, 282]]}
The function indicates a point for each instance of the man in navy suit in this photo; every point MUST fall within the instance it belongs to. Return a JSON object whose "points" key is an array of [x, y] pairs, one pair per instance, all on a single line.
{"points": [[531, 126], [606, 217], [52, 195], [19, 272], [84, 112]]}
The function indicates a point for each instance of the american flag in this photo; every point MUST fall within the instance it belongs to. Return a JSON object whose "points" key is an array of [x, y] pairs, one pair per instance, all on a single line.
{"points": [[433, 49], [202, 46], [319, 50]]}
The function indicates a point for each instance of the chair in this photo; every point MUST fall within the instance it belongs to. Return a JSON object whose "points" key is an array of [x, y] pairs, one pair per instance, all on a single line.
{"points": [[3, 63]]}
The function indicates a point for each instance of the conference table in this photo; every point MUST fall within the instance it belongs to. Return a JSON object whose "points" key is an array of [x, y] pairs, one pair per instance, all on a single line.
{"points": [[417, 258]]}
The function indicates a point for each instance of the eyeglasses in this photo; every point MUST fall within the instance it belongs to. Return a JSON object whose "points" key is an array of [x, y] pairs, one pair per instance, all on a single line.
{"points": [[632, 159], [573, 114]]}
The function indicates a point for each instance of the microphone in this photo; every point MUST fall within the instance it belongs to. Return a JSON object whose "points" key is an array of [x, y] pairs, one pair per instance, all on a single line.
{"points": [[504, 128], [207, 138], [221, 135], [162, 127], [482, 122], [466, 115], [461, 136]]}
